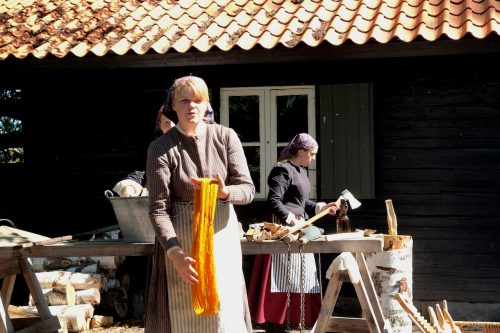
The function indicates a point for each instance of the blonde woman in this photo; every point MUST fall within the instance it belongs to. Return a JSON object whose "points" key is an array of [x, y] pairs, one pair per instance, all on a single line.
{"points": [[191, 150]]}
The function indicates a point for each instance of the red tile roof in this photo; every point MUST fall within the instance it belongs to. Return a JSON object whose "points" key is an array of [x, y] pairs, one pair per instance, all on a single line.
{"points": [[80, 27]]}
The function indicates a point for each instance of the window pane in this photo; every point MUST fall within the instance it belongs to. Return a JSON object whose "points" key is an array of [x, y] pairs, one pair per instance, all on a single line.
{"points": [[244, 117], [291, 116], [253, 160], [11, 127]]}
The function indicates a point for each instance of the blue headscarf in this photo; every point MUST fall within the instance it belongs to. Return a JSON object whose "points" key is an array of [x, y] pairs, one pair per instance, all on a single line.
{"points": [[301, 141]]}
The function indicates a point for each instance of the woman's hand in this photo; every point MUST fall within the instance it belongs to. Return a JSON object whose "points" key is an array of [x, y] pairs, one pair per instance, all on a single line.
{"points": [[332, 206], [196, 183], [184, 266], [222, 191]]}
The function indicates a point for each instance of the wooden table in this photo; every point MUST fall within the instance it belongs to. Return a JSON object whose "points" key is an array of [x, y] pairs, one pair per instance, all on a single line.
{"points": [[374, 323], [121, 248]]}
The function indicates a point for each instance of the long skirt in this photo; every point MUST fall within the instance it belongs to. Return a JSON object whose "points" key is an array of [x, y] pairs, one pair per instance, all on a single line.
{"points": [[270, 306], [229, 276]]}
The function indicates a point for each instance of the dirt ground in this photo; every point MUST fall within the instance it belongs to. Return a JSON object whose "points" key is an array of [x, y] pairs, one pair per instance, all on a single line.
{"points": [[137, 328], [124, 329], [141, 330]]}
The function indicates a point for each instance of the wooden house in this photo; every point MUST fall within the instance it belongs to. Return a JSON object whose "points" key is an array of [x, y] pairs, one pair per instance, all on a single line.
{"points": [[402, 95]]}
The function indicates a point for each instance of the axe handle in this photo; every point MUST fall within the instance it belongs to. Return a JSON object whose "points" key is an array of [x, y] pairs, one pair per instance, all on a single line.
{"points": [[50, 241], [304, 224], [60, 239]]}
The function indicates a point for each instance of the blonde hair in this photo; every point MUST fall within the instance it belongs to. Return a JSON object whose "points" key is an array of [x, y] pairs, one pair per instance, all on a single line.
{"points": [[196, 84]]}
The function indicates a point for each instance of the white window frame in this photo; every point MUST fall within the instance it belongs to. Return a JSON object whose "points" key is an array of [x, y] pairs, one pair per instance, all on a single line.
{"points": [[268, 124]]}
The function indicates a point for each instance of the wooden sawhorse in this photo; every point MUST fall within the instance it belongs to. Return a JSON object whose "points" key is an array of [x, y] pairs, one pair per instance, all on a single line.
{"points": [[347, 268], [9, 268]]}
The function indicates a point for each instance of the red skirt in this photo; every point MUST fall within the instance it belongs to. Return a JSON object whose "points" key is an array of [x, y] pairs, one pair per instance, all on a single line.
{"points": [[267, 307]]}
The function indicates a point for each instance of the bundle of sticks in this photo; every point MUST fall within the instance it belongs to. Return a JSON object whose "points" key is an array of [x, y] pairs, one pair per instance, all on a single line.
{"points": [[271, 231], [259, 232]]}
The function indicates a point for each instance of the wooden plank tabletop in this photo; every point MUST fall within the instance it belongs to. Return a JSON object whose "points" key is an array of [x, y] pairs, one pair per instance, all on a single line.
{"points": [[121, 248], [364, 244]]}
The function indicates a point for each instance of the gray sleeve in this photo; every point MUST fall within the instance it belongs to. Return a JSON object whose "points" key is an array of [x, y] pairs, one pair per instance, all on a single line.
{"points": [[137, 176], [158, 175], [239, 183]]}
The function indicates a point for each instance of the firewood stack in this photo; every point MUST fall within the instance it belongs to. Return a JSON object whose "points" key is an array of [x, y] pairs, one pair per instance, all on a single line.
{"points": [[76, 286]]}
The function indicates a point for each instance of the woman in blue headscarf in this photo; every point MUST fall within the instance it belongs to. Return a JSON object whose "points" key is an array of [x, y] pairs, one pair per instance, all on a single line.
{"points": [[274, 284]]}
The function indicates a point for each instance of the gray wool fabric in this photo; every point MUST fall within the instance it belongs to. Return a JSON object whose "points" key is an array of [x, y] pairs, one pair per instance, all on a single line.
{"points": [[173, 159]]}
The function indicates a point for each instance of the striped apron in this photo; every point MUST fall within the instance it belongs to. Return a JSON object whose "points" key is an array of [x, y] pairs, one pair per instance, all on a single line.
{"points": [[229, 275], [279, 272]]}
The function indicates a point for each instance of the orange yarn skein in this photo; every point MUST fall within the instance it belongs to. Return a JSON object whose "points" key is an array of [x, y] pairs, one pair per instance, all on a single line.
{"points": [[204, 293]]}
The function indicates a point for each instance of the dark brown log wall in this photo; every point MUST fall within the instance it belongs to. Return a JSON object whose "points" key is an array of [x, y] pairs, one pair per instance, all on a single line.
{"points": [[437, 154], [438, 149]]}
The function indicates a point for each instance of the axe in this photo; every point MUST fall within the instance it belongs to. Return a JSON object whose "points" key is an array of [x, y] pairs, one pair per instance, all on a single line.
{"points": [[345, 194], [353, 202]]}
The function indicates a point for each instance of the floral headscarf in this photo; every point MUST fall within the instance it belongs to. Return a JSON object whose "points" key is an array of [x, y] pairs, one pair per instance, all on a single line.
{"points": [[302, 141]]}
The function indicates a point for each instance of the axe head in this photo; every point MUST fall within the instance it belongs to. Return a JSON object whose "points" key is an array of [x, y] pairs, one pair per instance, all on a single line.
{"points": [[352, 200]]}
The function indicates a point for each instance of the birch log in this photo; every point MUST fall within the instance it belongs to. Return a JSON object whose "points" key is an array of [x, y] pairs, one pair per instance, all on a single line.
{"points": [[55, 296], [76, 318], [69, 296], [101, 321], [88, 296], [75, 264], [392, 273], [87, 269], [56, 263], [59, 279], [109, 262]]}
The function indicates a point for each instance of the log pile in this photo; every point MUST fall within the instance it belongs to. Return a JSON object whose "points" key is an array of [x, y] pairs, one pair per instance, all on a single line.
{"points": [[76, 287]]}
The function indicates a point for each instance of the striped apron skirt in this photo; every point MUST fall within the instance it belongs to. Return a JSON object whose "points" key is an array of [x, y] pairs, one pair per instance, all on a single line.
{"points": [[229, 275], [279, 272]]}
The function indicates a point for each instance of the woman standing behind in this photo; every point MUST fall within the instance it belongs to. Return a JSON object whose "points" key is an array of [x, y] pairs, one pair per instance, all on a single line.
{"points": [[134, 183], [289, 202], [176, 161]]}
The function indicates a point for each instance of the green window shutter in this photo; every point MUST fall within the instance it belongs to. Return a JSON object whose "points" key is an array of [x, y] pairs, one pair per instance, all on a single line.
{"points": [[346, 140]]}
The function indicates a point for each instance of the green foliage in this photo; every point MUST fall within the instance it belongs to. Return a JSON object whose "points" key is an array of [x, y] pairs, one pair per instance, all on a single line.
{"points": [[12, 155], [11, 95], [10, 125]]}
